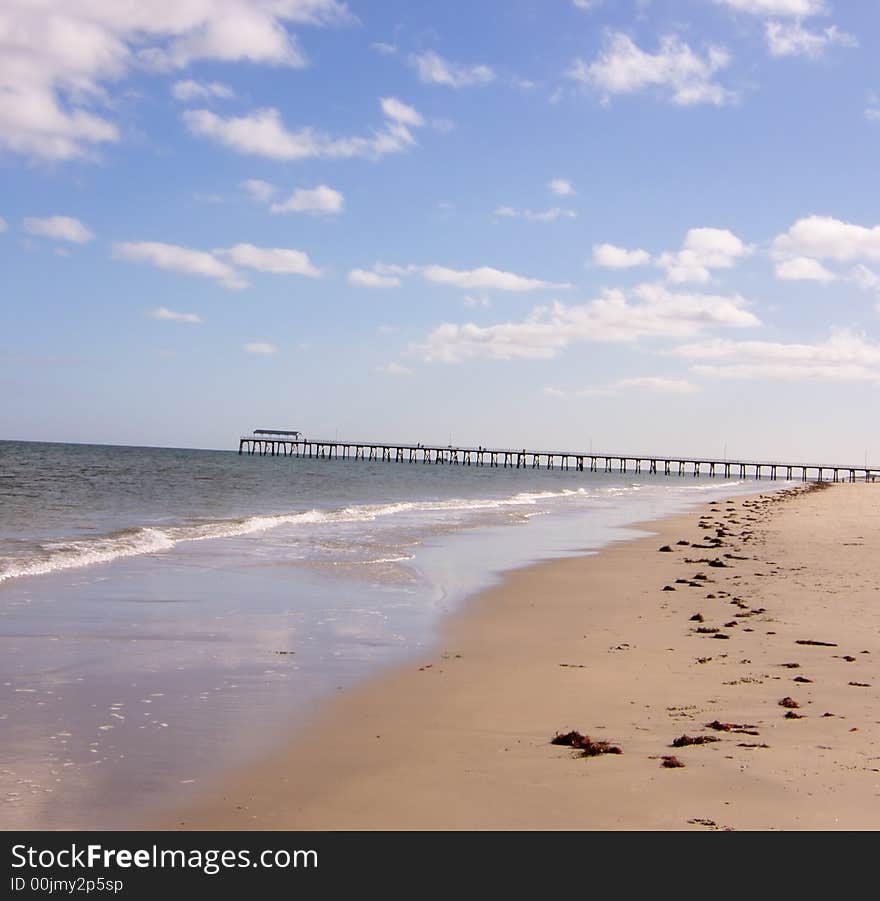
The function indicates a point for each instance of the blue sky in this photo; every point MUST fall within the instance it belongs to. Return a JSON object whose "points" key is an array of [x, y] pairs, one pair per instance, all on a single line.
{"points": [[633, 224]]}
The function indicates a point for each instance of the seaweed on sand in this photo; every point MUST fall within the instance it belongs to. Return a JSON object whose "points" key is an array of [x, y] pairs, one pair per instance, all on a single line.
{"points": [[670, 762], [583, 743], [684, 741], [741, 728]]}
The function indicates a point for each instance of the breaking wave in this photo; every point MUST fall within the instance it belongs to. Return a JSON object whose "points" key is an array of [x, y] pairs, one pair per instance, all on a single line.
{"points": [[51, 556]]}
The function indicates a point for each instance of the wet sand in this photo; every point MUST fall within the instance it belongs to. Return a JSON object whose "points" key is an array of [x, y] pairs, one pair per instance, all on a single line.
{"points": [[781, 607]]}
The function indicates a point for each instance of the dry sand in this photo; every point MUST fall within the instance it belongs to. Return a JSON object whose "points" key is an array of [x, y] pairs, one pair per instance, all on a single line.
{"points": [[594, 644]]}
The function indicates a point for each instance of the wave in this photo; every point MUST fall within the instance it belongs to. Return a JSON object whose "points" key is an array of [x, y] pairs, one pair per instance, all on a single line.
{"points": [[71, 554], [52, 556]]}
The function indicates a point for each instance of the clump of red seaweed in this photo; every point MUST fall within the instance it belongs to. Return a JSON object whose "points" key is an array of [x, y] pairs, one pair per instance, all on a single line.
{"points": [[741, 728], [583, 743], [684, 740]]}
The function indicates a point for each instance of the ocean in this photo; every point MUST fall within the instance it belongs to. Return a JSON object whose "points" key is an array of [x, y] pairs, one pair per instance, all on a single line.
{"points": [[168, 613]]}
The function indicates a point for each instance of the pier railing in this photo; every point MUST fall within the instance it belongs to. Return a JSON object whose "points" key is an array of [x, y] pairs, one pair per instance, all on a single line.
{"points": [[523, 458]]}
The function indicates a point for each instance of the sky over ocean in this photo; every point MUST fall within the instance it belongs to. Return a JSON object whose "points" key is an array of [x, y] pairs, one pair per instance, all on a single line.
{"points": [[633, 224]]}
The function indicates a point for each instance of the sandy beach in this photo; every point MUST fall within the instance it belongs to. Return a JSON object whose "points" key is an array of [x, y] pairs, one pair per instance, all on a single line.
{"points": [[757, 614]]}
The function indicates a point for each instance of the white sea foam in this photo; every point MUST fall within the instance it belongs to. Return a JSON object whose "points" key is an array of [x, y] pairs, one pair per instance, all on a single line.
{"points": [[71, 554], [60, 555], [52, 556], [400, 559]]}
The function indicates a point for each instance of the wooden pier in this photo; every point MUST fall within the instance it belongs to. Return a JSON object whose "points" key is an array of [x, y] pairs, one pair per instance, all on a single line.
{"points": [[265, 443]]}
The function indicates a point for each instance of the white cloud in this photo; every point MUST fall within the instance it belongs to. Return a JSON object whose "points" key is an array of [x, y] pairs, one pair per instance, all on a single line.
{"points": [[260, 348], [382, 275], [263, 133], [486, 278], [318, 201], [258, 189], [611, 257], [689, 308], [792, 39], [824, 237], [803, 269], [845, 355], [384, 48], [58, 56], [799, 9], [449, 343], [703, 249], [550, 215], [680, 268], [174, 258], [586, 4], [434, 69], [560, 187], [238, 30], [394, 269], [477, 300], [686, 76], [172, 316], [196, 90], [653, 312], [715, 247], [61, 228], [394, 369], [366, 278], [3, 225], [865, 278], [397, 111], [278, 260], [213, 264]]}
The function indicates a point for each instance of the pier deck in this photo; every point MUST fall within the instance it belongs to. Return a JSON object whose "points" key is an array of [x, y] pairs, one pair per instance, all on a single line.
{"points": [[580, 461]]}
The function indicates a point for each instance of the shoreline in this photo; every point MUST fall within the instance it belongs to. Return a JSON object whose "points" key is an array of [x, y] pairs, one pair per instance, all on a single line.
{"points": [[179, 669], [593, 643]]}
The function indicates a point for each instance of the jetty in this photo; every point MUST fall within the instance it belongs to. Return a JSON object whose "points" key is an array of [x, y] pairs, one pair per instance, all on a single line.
{"points": [[278, 443]]}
